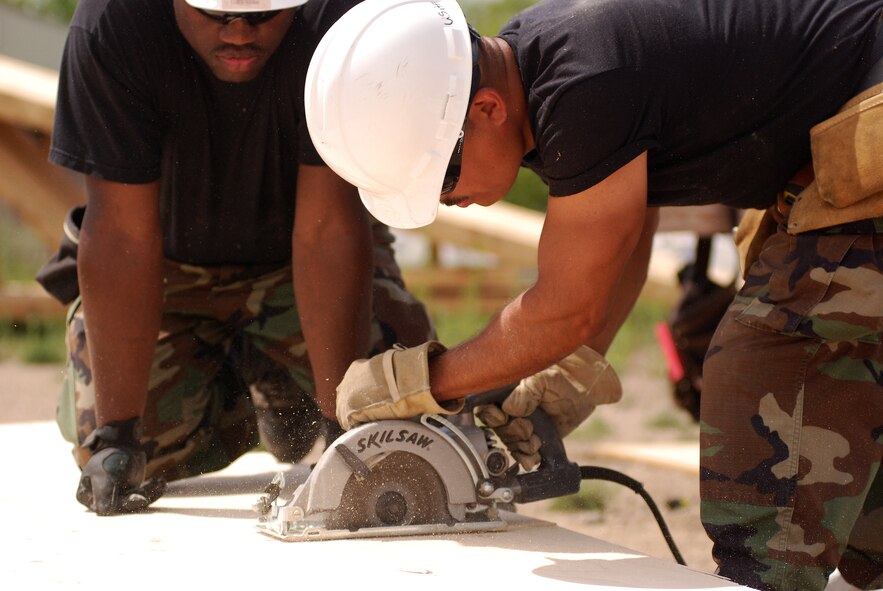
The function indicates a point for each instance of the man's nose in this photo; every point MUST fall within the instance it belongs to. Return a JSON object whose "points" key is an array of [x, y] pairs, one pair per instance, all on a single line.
{"points": [[238, 32]]}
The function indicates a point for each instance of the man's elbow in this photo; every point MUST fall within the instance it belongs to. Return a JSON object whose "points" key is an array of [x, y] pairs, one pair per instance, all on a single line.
{"points": [[586, 329]]}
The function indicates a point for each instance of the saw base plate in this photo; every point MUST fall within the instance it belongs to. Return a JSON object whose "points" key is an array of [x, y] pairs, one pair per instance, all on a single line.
{"points": [[309, 534]]}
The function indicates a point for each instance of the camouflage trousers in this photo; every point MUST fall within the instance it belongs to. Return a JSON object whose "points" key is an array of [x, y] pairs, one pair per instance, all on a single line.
{"points": [[231, 366], [792, 416]]}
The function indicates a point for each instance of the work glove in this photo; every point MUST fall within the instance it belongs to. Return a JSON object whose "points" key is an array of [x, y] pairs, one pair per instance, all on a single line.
{"points": [[391, 385], [567, 391], [112, 481]]}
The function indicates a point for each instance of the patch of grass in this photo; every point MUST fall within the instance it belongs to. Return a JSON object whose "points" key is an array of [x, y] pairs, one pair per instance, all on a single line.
{"points": [[672, 421], [33, 341], [638, 332], [592, 496], [595, 429], [59, 11], [21, 251], [455, 324], [454, 327], [665, 421], [488, 16]]}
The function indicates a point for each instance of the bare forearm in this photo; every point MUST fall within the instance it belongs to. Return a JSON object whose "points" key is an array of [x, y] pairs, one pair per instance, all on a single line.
{"points": [[516, 343], [332, 264], [121, 286], [332, 287], [589, 262]]}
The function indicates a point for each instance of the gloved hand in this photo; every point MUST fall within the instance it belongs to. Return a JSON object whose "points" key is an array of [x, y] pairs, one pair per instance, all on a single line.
{"points": [[391, 385], [112, 481], [567, 391]]}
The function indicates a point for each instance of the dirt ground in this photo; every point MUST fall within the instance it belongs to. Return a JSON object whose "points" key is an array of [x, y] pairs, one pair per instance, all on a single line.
{"points": [[645, 415]]}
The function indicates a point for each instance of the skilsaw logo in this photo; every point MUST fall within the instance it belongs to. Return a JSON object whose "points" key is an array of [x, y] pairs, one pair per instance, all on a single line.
{"points": [[379, 438]]}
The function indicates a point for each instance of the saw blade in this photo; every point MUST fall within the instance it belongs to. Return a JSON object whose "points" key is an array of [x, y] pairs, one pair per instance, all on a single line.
{"points": [[401, 489]]}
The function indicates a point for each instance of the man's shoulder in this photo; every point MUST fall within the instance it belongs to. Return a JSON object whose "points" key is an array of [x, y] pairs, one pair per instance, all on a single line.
{"points": [[92, 15], [319, 15]]}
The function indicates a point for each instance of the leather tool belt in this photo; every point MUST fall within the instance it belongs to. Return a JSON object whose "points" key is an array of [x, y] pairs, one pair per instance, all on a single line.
{"points": [[847, 156]]}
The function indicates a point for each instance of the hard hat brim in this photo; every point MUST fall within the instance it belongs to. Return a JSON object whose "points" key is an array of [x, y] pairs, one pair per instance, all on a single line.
{"points": [[398, 210], [244, 5]]}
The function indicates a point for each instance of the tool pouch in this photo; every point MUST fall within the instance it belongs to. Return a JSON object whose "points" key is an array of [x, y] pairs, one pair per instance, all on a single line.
{"points": [[58, 275], [847, 155]]}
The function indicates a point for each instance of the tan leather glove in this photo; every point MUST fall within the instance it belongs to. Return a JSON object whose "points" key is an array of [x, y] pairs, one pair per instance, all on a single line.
{"points": [[567, 391], [391, 385]]}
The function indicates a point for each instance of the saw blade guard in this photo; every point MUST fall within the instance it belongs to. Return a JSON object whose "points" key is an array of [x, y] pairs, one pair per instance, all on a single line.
{"points": [[391, 474], [369, 444]]}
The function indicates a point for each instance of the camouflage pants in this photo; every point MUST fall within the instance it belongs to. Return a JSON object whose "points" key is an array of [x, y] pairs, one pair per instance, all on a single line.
{"points": [[231, 365], [792, 416]]}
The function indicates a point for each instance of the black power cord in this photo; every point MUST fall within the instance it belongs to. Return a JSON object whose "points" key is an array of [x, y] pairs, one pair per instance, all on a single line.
{"points": [[598, 473], [557, 475]]}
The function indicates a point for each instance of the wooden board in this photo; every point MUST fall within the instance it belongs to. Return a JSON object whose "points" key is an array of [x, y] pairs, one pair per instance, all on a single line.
{"points": [[201, 535], [27, 94], [678, 456]]}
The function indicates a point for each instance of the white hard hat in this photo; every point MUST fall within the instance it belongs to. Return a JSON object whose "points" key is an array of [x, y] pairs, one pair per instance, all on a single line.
{"points": [[386, 97], [244, 5]]}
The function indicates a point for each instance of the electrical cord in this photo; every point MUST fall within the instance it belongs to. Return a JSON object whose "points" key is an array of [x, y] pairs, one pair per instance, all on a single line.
{"points": [[598, 473]]}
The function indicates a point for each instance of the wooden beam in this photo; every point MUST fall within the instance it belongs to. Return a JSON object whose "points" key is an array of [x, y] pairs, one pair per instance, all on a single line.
{"points": [[27, 94], [509, 231], [704, 220], [38, 192], [22, 301]]}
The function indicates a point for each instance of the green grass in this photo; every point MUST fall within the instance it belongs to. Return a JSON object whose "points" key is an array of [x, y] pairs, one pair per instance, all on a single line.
{"points": [[454, 327], [665, 421], [592, 496], [594, 429], [679, 423], [638, 333], [21, 251], [33, 341], [59, 11]]}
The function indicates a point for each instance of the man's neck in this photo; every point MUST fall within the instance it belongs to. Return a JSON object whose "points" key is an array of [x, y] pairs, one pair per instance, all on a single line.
{"points": [[508, 76]]}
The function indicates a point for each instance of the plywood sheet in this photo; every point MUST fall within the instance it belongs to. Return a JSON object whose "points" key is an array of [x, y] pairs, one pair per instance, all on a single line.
{"points": [[201, 535]]}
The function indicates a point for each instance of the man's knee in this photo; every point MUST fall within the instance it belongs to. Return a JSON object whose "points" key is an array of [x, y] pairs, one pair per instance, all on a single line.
{"points": [[750, 548], [289, 436], [399, 317], [862, 568], [288, 419]]}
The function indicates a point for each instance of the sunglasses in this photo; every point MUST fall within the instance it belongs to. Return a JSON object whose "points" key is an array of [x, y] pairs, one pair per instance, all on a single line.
{"points": [[252, 18], [452, 174]]}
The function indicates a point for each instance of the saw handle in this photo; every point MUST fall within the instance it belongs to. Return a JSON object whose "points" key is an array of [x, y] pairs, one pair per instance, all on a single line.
{"points": [[557, 475]]}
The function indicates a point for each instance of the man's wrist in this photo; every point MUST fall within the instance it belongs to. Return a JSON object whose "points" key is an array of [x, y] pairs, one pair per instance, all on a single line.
{"points": [[124, 433]]}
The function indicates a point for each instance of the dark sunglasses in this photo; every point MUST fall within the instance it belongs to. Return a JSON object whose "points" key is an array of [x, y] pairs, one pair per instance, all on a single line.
{"points": [[452, 174], [252, 18]]}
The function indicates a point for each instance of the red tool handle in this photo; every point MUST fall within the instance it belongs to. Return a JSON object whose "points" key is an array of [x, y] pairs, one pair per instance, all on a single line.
{"points": [[672, 360]]}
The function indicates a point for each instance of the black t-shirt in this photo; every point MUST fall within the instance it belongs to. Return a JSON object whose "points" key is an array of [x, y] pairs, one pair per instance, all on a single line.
{"points": [[136, 104], [721, 93]]}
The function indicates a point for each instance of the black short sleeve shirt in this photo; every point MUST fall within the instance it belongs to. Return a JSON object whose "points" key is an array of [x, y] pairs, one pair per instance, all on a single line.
{"points": [[136, 105], [720, 93]]}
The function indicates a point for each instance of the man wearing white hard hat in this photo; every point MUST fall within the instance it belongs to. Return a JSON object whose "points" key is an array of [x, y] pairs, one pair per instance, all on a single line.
{"points": [[622, 106], [208, 211]]}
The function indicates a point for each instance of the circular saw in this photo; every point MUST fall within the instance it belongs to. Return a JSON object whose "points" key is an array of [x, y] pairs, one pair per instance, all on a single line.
{"points": [[429, 475]]}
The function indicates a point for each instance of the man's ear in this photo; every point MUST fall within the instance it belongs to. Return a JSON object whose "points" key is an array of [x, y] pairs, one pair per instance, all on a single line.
{"points": [[489, 104]]}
